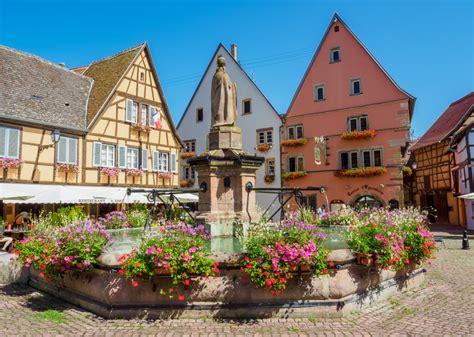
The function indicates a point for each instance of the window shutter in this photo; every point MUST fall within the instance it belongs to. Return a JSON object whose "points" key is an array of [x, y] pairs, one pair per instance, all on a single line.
{"points": [[62, 150], [152, 111], [122, 156], [3, 144], [97, 154], [144, 159], [173, 162], [13, 143], [72, 151], [154, 162], [128, 110]]}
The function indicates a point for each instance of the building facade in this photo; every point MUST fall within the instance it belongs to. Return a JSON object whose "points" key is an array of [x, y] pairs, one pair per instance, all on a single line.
{"points": [[347, 127], [259, 121], [443, 157], [111, 119]]}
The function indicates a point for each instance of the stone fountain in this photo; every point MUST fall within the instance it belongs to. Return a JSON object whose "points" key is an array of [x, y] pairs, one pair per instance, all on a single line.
{"points": [[224, 169]]}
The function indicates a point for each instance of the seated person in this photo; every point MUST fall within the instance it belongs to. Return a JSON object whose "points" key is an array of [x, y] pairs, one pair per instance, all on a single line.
{"points": [[6, 241]]}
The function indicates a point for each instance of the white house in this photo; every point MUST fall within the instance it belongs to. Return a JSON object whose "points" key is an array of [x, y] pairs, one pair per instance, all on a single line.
{"points": [[258, 119]]}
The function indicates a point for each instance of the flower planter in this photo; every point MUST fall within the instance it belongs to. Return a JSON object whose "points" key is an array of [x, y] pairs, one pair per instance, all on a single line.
{"points": [[293, 142], [357, 135], [165, 175], [365, 259], [67, 168], [263, 147], [141, 128], [10, 163], [186, 183], [110, 171], [185, 155], [361, 172], [293, 175], [134, 173], [269, 179]]}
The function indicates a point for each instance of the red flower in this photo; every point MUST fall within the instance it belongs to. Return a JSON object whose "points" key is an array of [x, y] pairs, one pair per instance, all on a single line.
{"points": [[181, 298], [41, 274], [268, 283], [134, 284], [331, 264], [325, 271], [247, 259], [266, 273], [186, 282], [249, 266], [282, 280]]}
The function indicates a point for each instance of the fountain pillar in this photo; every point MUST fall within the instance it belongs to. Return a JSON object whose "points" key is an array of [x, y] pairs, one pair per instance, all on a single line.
{"points": [[225, 168]]}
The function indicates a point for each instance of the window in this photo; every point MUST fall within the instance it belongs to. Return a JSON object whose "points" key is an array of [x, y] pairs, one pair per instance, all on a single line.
{"points": [[9, 142], [335, 55], [142, 76], [270, 167], [344, 161], [363, 123], [295, 132], [189, 145], [360, 123], [67, 151], [144, 115], [354, 159], [188, 172], [377, 158], [368, 158], [310, 201], [295, 164], [246, 106], [104, 155], [131, 111], [164, 162], [336, 28], [155, 117], [319, 93], [199, 114], [356, 88], [144, 159], [265, 137], [132, 158]]}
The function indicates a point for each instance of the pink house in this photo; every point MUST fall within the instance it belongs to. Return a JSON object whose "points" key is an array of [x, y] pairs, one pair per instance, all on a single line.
{"points": [[347, 126]]}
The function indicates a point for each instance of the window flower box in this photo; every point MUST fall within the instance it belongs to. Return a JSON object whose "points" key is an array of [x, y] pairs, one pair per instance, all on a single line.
{"points": [[361, 172], [165, 175], [407, 171], [110, 171], [134, 173], [141, 127], [186, 183], [186, 155], [7, 163], [293, 175], [357, 135], [294, 142], [269, 178], [263, 147], [67, 168]]}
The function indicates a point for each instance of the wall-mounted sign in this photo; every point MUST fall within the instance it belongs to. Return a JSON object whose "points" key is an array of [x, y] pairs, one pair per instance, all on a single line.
{"points": [[319, 149], [366, 188]]}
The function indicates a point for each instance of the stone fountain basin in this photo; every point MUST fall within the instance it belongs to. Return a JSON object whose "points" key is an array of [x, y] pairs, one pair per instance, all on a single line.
{"points": [[105, 292]]}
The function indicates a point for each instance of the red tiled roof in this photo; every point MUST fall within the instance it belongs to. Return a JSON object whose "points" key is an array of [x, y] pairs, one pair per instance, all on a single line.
{"points": [[446, 124]]}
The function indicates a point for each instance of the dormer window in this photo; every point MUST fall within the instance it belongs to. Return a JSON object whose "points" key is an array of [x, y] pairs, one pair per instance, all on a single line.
{"points": [[319, 94], [356, 87], [336, 28], [335, 55]]}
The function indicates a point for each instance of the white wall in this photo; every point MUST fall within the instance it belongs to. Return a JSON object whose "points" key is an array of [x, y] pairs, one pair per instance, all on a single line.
{"points": [[262, 116]]}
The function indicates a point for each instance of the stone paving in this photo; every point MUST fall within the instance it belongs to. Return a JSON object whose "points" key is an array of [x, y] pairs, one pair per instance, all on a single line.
{"points": [[444, 305]]}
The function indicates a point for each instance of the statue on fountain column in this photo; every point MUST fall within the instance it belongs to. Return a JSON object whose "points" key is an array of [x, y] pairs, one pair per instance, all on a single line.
{"points": [[223, 97]]}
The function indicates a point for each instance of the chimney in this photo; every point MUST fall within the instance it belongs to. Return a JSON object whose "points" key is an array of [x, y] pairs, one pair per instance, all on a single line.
{"points": [[233, 51]]}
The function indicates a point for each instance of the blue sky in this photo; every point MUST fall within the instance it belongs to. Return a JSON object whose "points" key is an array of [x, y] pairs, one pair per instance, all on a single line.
{"points": [[427, 46]]}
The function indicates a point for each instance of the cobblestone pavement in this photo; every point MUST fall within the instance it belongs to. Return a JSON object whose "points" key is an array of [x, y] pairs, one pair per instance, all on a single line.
{"points": [[444, 305]]}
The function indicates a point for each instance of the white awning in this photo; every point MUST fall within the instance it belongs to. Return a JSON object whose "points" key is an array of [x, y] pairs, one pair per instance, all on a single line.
{"points": [[11, 193], [467, 196]]}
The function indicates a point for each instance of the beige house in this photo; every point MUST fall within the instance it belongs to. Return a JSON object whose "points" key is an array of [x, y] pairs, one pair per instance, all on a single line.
{"points": [[113, 123]]}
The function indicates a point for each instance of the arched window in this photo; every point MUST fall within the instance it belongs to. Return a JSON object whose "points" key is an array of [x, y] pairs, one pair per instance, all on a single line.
{"points": [[367, 201], [394, 204]]}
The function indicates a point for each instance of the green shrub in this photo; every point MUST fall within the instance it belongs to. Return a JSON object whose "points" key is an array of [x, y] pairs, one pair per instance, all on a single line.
{"points": [[64, 216]]}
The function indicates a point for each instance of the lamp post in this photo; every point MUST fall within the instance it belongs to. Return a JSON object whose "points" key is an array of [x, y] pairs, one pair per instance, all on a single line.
{"points": [[55, 137]]}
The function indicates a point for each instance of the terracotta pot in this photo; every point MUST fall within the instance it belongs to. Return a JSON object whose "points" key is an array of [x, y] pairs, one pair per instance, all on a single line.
{"points": [[365, 259]]}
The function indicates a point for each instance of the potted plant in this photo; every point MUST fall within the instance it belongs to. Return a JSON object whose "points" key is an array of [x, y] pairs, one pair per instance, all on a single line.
{"points": [[110, 171], [293, 175], [357, 135], [67, 168], [263, 147], [361, 172], [185, 155], [269, 178], [186, 183], [10, 163]]}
